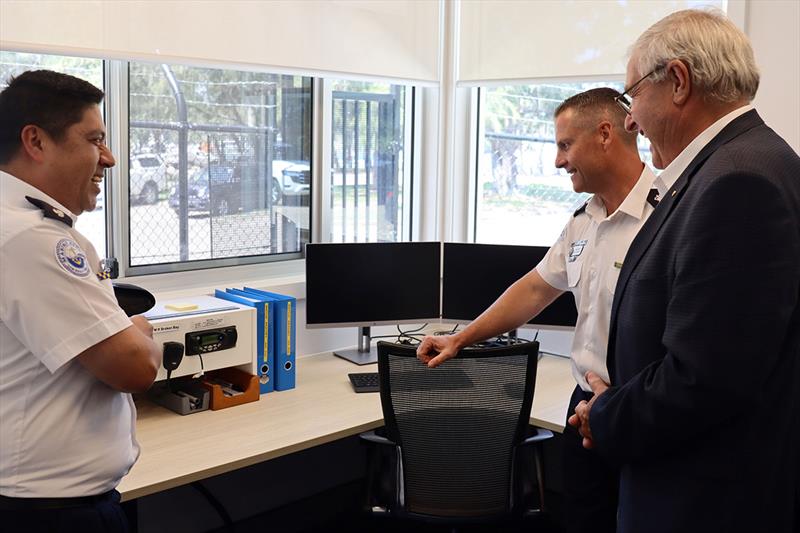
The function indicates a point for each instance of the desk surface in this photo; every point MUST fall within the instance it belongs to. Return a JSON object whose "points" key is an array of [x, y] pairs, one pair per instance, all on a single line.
{"points": [[180, 449]]}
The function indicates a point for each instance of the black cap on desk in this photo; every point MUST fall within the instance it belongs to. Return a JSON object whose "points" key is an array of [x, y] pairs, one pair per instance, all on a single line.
{"points": [[132, 299]]}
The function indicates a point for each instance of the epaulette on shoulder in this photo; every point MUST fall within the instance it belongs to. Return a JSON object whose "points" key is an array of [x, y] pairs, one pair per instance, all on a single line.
{"points": [[580, 210], [50, 211]]}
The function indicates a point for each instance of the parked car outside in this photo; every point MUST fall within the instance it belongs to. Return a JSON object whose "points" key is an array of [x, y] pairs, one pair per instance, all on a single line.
{"points": [[147, 178], [295, 178], [212, 183], [219, 189]]}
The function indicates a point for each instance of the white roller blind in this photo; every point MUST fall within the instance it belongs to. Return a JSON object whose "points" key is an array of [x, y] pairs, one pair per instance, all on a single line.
{"points": [[525, 39], [378, 38]]}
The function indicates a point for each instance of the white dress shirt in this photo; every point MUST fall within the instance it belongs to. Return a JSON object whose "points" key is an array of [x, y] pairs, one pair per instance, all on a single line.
{"points": [[672, 172]]}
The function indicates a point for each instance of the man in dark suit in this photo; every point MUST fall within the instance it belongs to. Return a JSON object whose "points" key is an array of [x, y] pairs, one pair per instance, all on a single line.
{"points": [[704, 342]]}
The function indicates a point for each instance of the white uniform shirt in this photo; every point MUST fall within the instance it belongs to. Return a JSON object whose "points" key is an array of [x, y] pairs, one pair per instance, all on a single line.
{"points": [[586, 260], [63, 432]]}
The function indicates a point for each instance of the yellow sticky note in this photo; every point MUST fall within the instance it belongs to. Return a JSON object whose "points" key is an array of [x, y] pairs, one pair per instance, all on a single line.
{"points": [[181, 307]]}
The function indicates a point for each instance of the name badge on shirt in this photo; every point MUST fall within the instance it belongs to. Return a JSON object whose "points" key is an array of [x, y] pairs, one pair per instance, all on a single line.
{"points": [[576, 249]]}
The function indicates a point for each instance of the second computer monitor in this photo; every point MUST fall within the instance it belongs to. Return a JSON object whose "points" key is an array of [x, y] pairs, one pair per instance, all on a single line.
{"points": [[475, 275], [367, 284]]}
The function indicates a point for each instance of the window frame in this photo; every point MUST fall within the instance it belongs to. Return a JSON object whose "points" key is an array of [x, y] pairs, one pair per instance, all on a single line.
{"points": [[409, 179], [123, 251]]}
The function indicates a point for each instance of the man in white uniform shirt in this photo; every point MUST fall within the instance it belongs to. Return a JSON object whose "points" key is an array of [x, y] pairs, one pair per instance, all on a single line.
{"points": [[69, 355], [601, 158]]}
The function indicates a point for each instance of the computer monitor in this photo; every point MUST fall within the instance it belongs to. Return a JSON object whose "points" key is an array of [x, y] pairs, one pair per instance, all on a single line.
{"points": [[369, 284], [475, 275]]}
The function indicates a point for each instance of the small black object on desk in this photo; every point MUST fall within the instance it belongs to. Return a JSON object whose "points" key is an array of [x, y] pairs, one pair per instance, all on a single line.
{"points": [[365, 382], [132, 299]]}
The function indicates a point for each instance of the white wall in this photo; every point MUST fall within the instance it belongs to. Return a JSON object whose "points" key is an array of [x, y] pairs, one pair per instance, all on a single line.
{"points": [[774, 29]]}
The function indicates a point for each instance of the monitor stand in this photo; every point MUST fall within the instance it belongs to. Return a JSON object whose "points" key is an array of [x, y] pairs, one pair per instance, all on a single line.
{"points": [[365, 353], [505, 340], [512, 337]]}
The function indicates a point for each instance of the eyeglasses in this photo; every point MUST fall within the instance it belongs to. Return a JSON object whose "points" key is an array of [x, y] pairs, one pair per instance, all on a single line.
{"points": [[625, 101]]}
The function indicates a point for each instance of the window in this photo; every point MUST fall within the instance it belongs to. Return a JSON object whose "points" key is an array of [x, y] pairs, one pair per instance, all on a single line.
{"points": [[92, 225], [521, 197], [370, 174], [219, 165]]}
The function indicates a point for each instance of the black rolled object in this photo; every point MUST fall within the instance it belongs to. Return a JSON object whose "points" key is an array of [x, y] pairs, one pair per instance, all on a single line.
{"points": [[132, 299]]}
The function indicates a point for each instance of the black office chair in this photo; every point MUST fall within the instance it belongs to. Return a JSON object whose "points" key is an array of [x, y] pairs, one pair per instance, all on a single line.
{"points": [[457, 444]]}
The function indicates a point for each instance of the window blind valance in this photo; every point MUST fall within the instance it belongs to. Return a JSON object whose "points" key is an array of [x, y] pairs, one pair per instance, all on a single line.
{"points": [[394, 39], [504, 40]]}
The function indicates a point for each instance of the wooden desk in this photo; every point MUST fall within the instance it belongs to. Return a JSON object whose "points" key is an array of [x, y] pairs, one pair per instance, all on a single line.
{"points": [[180, 449], [554, 386]]}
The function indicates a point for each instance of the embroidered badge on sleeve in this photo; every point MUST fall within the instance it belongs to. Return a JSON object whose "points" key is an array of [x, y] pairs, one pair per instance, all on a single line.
{"points": [[71, 258]]}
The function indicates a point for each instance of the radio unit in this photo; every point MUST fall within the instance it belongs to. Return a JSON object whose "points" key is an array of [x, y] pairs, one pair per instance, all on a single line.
{"points": [[215, 333], [210, 340]]}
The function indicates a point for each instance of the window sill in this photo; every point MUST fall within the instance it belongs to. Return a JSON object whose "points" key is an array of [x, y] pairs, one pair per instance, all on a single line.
{"points": [[286, 277]]}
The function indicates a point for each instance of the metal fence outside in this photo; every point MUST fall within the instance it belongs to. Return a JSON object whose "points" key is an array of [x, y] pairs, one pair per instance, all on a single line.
{"points": [[366, 150], [213, 191]]}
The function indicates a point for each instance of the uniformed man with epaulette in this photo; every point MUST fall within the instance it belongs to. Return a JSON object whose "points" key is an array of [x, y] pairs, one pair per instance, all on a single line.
{"points": [[602, 158], [69, 356]]}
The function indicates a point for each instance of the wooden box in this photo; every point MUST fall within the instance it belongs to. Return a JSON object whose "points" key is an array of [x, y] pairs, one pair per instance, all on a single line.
{"points": [[220, 383]]}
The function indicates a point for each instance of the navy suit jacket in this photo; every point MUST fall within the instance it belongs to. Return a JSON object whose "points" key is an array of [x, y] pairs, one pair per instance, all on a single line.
{"points": [[704, 346]]}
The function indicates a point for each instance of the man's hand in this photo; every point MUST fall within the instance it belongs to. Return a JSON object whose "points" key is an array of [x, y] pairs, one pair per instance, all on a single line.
{"points": [[127, 361], [436, 350], [580, 419], [143, 325]]}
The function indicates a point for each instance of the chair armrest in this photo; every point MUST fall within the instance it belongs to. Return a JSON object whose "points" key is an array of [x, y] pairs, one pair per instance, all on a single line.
{"points": [[371, 436], [540, 436]]}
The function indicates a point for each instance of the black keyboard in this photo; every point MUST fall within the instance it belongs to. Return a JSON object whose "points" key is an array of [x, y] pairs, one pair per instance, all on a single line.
{"points": [[365, 382]]}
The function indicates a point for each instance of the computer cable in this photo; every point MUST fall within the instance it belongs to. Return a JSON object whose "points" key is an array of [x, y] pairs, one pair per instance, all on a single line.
{"points": [[423, 326], [408, 339], [410, 334], [202, 368]]}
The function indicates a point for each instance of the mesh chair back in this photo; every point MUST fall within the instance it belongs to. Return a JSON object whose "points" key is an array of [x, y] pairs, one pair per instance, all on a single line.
{"points": [[457, 425]]}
